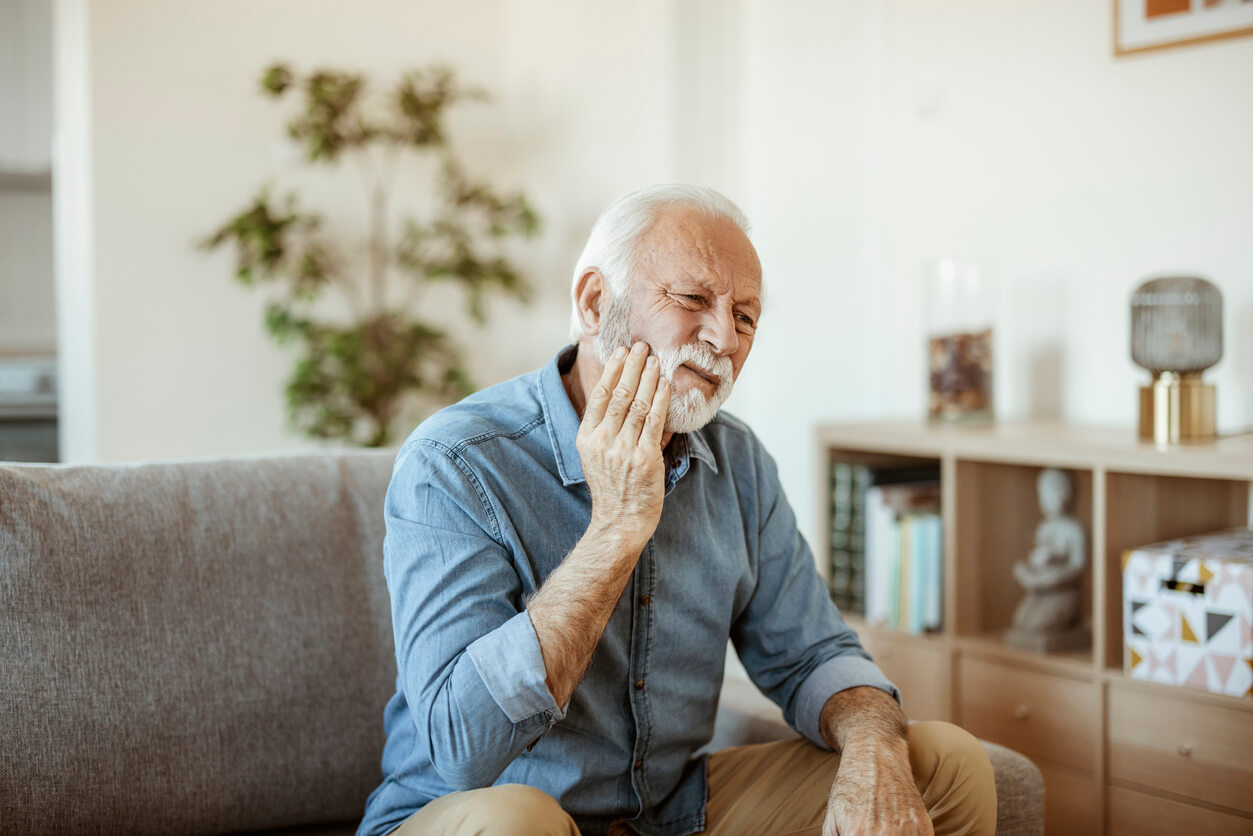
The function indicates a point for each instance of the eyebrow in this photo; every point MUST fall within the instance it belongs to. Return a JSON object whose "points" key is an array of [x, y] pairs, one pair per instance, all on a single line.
{"points": [[745, 301]]}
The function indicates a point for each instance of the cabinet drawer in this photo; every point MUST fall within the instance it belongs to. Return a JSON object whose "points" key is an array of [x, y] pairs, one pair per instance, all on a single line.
{"points": [[1041, 715], [1072, 801], [1180, 745], [1134, 813], [922, 673]]}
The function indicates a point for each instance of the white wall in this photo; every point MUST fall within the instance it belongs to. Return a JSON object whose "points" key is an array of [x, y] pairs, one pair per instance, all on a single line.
{"points": [[179, 139], [861, 137], [884, 133]]}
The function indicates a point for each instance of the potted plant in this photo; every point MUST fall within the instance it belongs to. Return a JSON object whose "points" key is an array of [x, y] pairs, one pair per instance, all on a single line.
{"points": [[354, 378]]}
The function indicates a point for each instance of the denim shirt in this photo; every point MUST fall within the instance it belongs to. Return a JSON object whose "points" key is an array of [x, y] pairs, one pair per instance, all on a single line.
{"points": [[487, 498]]}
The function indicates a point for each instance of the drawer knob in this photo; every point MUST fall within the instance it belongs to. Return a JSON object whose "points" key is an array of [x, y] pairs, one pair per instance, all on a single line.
{"points": [[1021, 711], [1184, 750]]}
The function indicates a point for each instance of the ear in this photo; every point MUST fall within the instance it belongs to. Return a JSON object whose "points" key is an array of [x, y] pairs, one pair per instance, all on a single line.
{"points": [[590, 292]]}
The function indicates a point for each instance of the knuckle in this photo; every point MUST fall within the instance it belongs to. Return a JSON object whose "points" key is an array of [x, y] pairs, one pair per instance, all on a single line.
{"points": [[623, 391], [639, 407], [600, 391]]}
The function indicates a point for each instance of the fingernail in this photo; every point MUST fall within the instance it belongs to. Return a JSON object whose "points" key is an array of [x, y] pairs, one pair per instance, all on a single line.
{"points": [[620, 353], [639, 348], [651, 361]]}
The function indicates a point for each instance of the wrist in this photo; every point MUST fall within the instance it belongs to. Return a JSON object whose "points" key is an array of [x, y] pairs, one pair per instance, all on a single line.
{"points": [[867, 741], [862, 715], [615, 539]]}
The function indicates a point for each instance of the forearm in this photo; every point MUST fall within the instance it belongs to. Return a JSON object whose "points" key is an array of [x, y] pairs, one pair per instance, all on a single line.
{"points": [[874, 789], [571, 609]]}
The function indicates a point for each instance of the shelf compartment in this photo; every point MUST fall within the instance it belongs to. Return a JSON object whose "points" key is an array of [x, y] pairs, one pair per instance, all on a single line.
{"points": [[841, 525], [997, 511], [1142, 509]]}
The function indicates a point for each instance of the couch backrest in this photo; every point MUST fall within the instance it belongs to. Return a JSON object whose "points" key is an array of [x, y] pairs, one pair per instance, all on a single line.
{"points": [[192, 647]]}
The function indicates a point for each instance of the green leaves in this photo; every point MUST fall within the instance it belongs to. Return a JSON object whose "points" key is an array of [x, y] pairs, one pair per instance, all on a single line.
{"points": [[349, 382], [353, 380], [421, 98], [274, 243], [276, 79], [454, 245]]}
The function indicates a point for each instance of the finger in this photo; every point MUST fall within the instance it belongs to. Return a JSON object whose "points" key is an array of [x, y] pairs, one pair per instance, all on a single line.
{"points": [[642, 403], [624, 392], [603, 390], [650, 437]]}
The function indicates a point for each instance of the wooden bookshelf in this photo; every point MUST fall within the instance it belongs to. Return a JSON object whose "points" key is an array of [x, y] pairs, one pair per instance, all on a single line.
{"points": [[1118, 755]]}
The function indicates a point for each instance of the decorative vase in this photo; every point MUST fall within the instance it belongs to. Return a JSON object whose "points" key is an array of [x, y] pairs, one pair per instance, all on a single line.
{"points": [[958, 318]]}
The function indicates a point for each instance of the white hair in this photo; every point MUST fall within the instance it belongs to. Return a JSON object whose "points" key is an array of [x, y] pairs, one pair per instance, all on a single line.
{"points": [[614, 240]]}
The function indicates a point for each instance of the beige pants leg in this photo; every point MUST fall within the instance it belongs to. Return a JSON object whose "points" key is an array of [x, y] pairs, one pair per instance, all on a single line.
{"points": [[781, 788], [506, 810], [768, 789]]}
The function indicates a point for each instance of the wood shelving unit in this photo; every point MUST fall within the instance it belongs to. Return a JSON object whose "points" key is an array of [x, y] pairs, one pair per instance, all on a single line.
{"points": [[1119, 756]]}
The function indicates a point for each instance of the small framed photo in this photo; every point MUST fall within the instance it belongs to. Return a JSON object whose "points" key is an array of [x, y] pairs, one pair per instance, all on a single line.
{"points": [[1141, 25]]}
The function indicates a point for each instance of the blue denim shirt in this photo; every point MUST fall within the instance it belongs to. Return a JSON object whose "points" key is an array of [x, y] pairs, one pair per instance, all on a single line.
{"points": [[486, 499]]}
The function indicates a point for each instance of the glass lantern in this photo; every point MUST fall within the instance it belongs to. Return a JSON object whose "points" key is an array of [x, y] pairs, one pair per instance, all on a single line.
{"points": [[958, 313]]}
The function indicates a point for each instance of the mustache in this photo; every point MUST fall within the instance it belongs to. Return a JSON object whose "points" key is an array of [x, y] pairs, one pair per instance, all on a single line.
{"points": [[694, 354]]}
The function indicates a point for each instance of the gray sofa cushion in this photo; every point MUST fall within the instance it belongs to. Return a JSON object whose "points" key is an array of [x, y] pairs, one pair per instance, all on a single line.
{"points": [[192, 647]]}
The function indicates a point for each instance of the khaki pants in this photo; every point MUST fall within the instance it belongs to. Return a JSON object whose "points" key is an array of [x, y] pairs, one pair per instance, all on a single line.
{"points": [[767, 789]]}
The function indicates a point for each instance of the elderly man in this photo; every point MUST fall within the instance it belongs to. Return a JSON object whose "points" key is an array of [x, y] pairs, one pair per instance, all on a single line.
{"points": [[568, 553]]}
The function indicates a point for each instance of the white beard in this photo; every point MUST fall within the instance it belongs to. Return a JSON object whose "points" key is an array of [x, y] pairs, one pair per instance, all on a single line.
{"points": [[691, 410]]}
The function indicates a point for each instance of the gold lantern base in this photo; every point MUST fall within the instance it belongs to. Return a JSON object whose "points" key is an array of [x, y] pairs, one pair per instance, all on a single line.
{"points": [[1177, 408]]}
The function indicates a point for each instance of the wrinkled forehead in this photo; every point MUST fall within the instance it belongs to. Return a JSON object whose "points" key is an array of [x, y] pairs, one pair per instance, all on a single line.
{"points": [[688, 243]]}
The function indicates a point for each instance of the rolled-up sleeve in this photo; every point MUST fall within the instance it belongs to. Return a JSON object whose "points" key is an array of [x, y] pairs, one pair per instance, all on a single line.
{"points": [[468, 659], [509, 662], [791, 638]]}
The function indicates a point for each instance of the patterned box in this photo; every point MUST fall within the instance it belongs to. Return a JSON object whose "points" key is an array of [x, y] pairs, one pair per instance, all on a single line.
{"points": [[1188, 612]]}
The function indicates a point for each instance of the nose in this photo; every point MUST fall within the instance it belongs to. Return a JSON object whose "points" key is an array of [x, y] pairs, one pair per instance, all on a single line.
{"points": [[718, 331]]}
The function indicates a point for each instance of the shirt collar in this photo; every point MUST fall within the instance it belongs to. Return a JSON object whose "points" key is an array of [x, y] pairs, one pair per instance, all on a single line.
{"points": [[695, 445], [563, 425], [560, 418]]}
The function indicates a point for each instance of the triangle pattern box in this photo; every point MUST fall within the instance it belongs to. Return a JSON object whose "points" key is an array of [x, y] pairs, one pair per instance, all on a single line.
{"points": [[1188, 612]]}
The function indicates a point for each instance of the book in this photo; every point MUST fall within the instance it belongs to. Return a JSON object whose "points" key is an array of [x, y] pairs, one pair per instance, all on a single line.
{"points": [[903, 556], [847, 535], [848, 529]]}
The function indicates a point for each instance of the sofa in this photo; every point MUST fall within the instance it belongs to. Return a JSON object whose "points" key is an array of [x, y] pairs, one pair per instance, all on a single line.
{"points": [[205, 647]]}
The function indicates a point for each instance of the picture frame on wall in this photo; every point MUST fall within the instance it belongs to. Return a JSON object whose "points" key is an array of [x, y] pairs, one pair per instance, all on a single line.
{"points": [[1143, 25]]}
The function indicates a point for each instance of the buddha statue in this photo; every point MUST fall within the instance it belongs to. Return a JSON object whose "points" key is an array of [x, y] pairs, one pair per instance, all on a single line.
{"points": [[1048, 618]]}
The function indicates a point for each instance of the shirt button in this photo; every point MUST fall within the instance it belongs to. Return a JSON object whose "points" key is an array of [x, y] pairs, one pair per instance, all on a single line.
{"points": [[644, 600], [639, 684], [639, 764]]}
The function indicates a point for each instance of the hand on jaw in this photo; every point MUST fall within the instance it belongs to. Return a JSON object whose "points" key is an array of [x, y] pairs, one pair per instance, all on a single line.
{"points": [[620, 444]]}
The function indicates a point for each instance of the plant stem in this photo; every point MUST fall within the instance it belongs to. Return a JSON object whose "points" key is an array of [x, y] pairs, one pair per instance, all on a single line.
{"points": [[378, 246]]}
